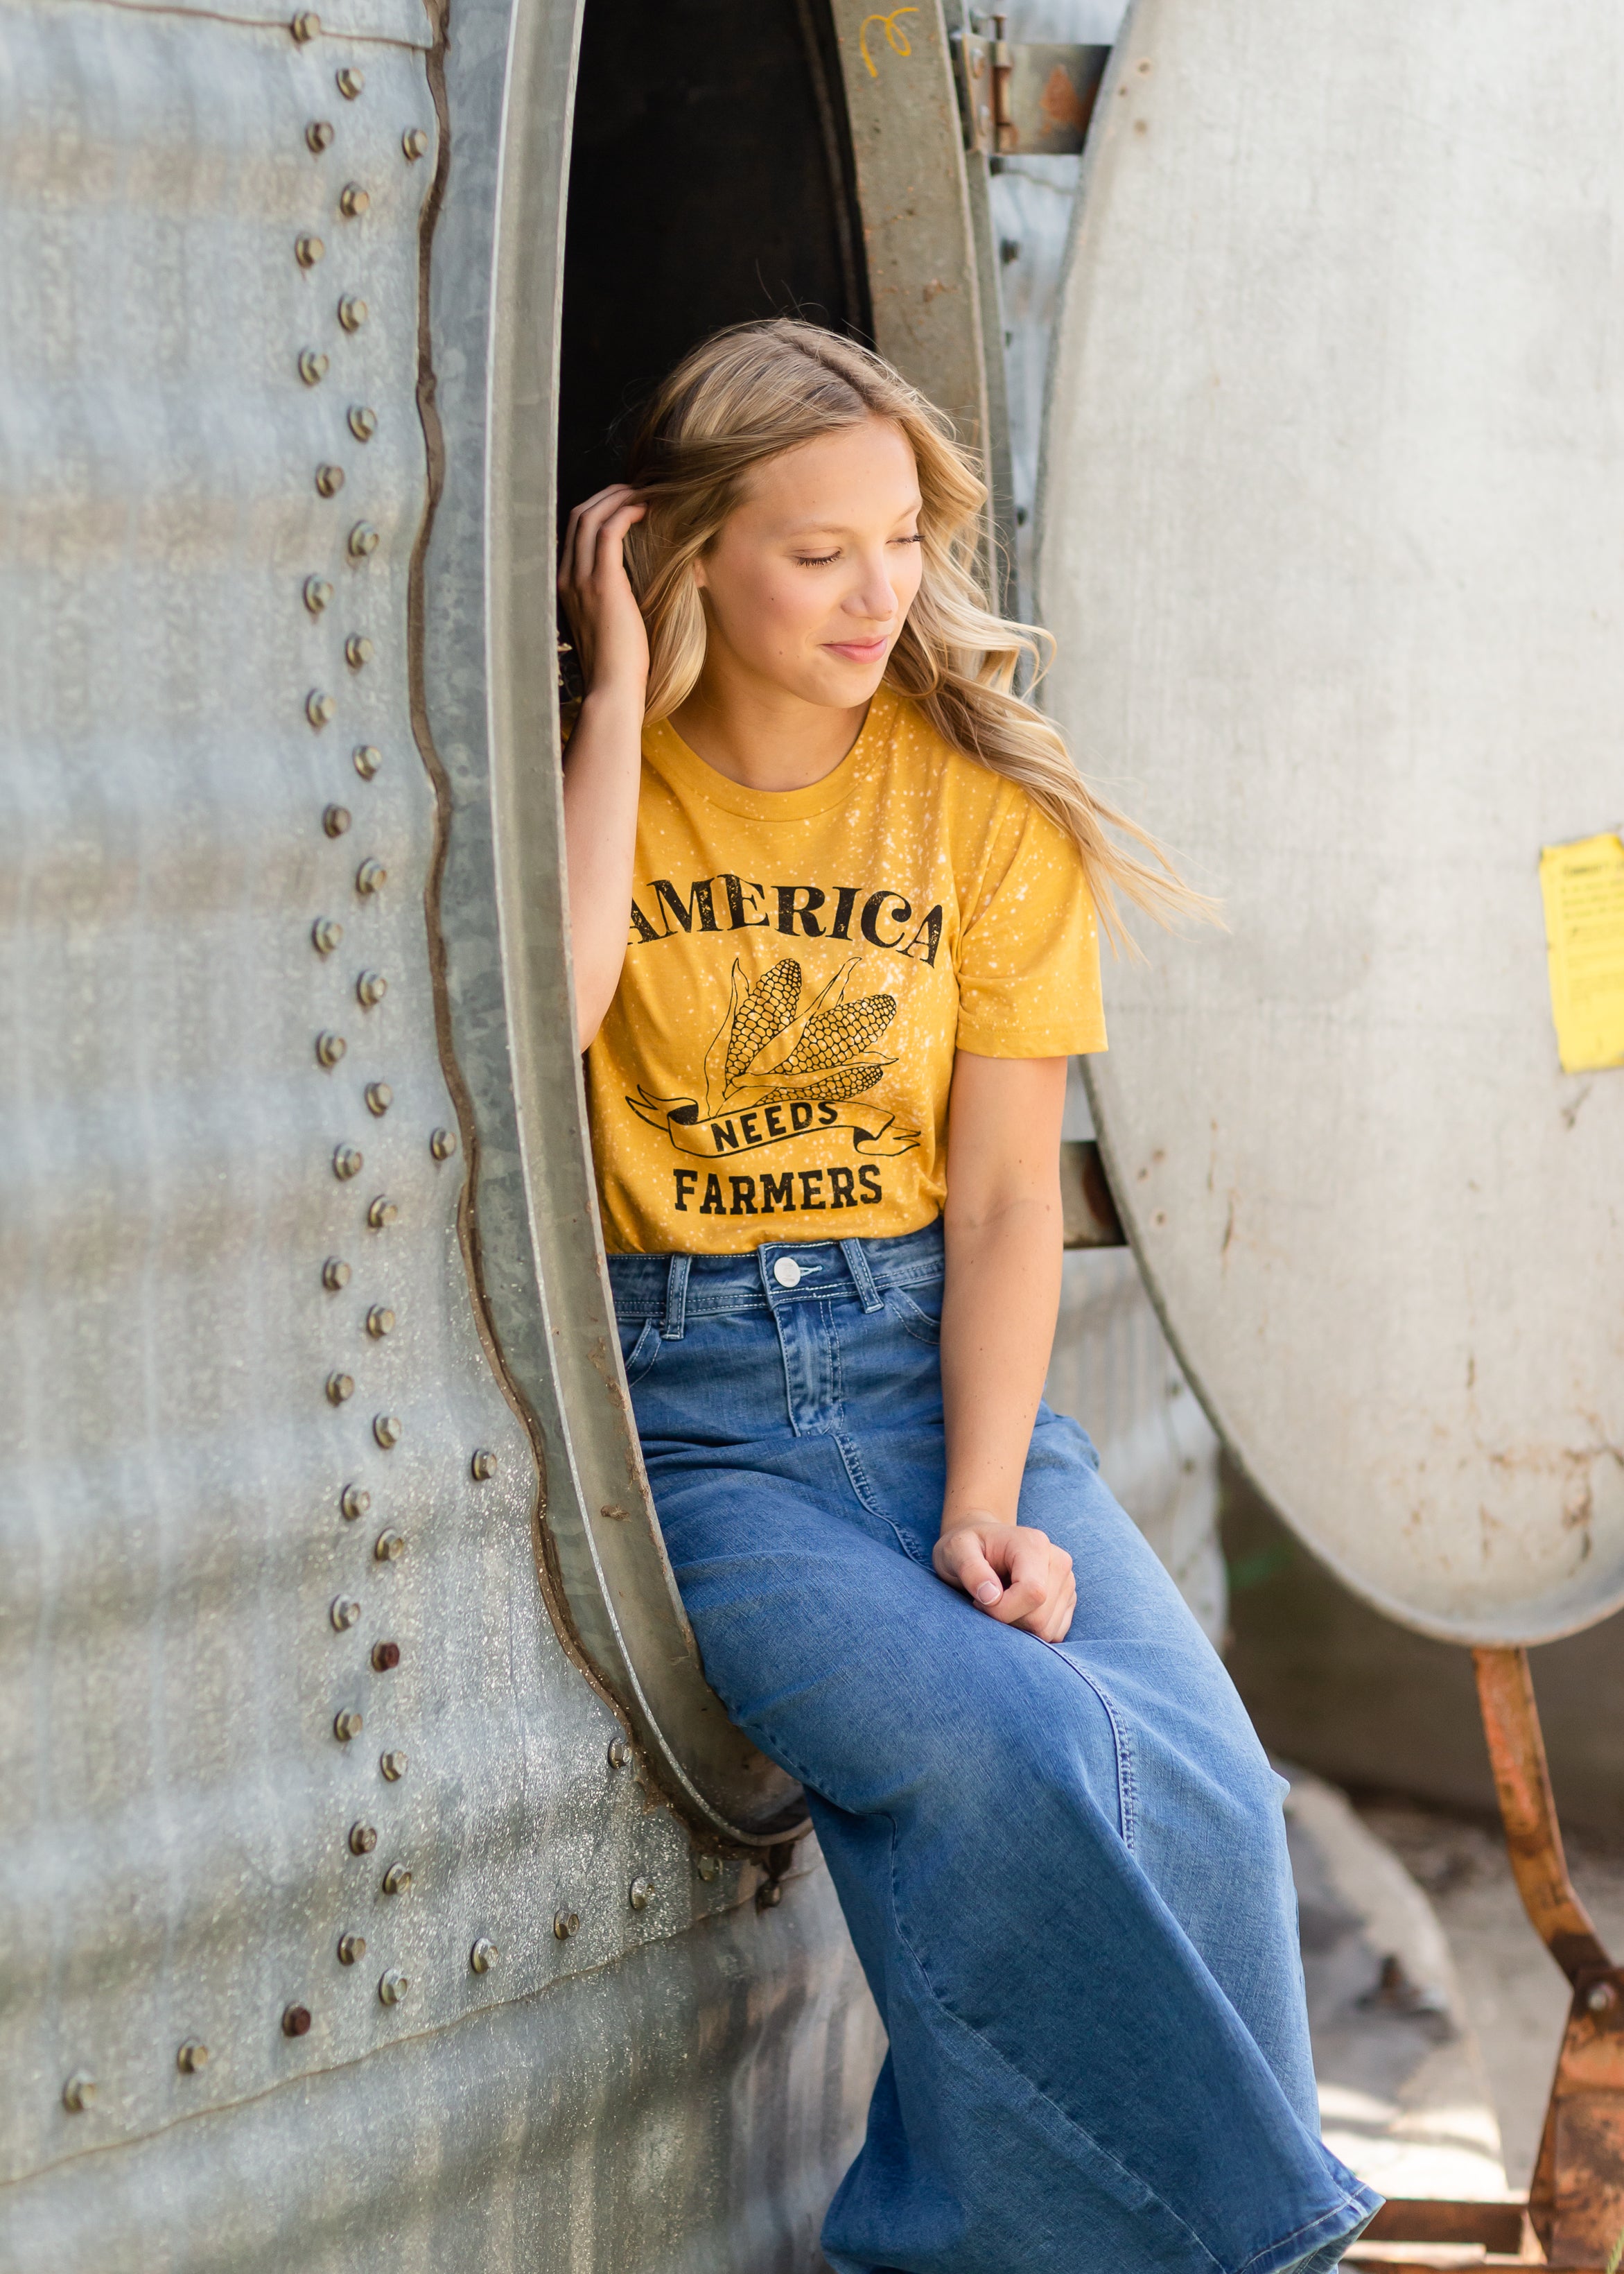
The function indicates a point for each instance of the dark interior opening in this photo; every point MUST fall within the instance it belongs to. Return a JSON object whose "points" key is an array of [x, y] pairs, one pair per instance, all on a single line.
{"points": [[711, 181]]}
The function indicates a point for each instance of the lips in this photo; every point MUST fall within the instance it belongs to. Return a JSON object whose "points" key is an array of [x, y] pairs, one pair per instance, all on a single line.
{"points": [[858, 651]]}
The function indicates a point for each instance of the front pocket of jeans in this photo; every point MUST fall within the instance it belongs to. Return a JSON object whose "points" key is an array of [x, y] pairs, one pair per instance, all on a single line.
{"points": [[912, 1318], [642, 1351]]}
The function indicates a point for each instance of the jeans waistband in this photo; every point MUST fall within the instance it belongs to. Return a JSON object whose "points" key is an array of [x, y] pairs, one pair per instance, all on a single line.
{"points": [[676, 1288]]}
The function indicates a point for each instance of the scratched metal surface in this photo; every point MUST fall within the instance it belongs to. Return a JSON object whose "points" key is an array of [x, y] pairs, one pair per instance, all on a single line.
{"points": [[1330, 534], [176, 1863]]}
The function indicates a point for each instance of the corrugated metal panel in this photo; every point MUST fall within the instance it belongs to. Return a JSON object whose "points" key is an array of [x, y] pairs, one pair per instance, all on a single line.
{"points": [[614, 2124], [185, 1401]]}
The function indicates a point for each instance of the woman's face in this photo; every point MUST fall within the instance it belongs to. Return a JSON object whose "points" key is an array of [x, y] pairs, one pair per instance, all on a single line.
{"points": [[809, 579]]}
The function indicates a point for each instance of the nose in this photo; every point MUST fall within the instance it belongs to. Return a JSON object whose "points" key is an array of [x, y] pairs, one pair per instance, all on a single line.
{"points": [[874, 596]]}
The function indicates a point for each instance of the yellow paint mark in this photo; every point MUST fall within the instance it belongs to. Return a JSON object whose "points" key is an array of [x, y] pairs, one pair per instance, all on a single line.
{"points": [[1582, 887], [895, 40]]}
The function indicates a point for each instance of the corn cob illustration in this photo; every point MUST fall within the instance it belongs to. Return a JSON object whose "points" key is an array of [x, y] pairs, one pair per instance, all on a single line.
{"points": [[844, 1081], [765, 1011], [837, 1036]]}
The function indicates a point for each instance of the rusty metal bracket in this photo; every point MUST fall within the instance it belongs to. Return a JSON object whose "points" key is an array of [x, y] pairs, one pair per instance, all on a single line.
{"points": [[1575, 2205], [1031, 99]]}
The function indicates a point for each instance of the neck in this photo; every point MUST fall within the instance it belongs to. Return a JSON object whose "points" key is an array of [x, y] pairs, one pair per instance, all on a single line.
{"points": [[763, 735]]}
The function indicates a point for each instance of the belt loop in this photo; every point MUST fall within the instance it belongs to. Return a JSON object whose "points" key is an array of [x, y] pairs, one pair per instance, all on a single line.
{"points": [[862, 1278], [676, 1299]]}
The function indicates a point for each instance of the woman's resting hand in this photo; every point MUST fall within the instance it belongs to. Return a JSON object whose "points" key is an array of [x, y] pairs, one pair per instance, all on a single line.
{"points": [[1013, 1572]]}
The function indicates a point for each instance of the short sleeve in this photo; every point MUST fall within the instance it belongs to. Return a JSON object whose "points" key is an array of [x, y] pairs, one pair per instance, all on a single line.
{"points": [[1029, 949]]}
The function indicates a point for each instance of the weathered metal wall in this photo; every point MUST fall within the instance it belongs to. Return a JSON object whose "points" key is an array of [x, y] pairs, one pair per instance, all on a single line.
{"points": [[271, 1635]]}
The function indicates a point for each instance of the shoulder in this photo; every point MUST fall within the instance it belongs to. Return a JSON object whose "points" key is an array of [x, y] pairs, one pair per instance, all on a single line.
{"points": [[917, 748]]}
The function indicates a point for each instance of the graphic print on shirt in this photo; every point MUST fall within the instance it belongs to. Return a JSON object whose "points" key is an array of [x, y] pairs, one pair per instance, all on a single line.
{"points": [[774, 1073]]}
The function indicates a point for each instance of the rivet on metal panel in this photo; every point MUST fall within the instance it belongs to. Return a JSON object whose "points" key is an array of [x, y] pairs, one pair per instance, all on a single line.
{"points": [[708, 1867], [370, 988], [344, 1612], [306, 25], [379, 1322], [1601, 1997], [385, 1657], [319, 707], [329, 1049], [319, 134], [334, 1275], [389, 1546], [351, 1947], [415, 143], [484, 1955], [347, 1725], [358, 651], [336, 818], [351, 313], [347, 1163], [641, 1893], [354, 1501], [396, 1880], [363, 1840], [191, 2057], [371, 877], [79, 2092], [769, 1895], [340, 1387], [367, 760], [353, 200], [363, 422], [379, 1098], [363, 541], [312, 366], [565, 1923], [393, 1987], [307, 251], [296, 2020], [620, 1755], [387, 1429], [325, 933], [318, 592], [482, 1467], [349, 81], [329, 480], [381, 1212], [394, 1765], [442, 1145]]}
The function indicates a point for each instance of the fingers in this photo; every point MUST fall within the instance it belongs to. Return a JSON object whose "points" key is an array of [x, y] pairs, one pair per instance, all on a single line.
{"points": [[592, 538], [960, 1560], [1013, 1572]]}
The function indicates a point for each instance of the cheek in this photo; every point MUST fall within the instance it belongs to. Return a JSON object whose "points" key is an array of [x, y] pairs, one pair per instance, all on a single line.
{"points": [[908, 576]]}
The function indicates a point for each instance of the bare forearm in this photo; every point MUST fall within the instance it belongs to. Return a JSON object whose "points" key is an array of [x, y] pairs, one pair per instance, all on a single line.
{"points": [[998, 1317], [602, 770]]}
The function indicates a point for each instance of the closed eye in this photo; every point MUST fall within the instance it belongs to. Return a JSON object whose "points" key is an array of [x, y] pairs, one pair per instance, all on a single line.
{"points": [[817, 561]]}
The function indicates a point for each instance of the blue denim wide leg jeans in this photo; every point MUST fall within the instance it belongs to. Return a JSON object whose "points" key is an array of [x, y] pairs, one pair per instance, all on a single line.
{"points": [[1063, 1866]]}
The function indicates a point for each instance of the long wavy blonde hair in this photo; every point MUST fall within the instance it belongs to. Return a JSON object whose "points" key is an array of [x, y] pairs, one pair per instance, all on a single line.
{"points": [[752, 392]]}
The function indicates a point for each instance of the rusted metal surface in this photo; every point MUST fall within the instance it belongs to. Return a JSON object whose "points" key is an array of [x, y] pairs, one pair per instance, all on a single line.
{"points": [[1024, 98], [317, 1842], [1498, 2226], [908, 145], [1090, 1213], [1329, 545], [1527, 1810]]}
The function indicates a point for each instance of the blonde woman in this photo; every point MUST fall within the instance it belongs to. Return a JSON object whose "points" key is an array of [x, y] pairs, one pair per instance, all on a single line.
{"points": [[825, 1058]]}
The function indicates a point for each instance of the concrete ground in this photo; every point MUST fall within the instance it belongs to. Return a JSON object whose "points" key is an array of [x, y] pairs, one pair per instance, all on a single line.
{"points": [[1515, 1999]]}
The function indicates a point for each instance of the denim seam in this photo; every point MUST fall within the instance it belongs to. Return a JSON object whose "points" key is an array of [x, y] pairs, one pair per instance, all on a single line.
{"points": [[915, 1322], [1127, 1784], [1313, 2231], [857, 1477], [994, 2054]]}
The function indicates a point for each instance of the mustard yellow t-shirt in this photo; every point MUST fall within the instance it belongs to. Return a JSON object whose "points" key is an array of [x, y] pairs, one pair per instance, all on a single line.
{"points": [[802, 966]]}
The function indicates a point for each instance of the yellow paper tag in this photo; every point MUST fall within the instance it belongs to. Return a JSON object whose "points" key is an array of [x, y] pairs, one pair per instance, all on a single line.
{"points": [[1583, 885]]}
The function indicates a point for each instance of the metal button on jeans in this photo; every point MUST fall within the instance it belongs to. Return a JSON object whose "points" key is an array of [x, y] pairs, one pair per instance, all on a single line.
{"points": [[787, 1272]]}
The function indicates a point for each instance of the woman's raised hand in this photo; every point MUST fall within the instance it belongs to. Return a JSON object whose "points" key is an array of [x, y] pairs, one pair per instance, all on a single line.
{"points": [[597, 596], [1012, 1572]]}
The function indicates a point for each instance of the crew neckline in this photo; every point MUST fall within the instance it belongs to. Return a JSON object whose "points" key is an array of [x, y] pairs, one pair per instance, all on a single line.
{"points": [[693, 776]]}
